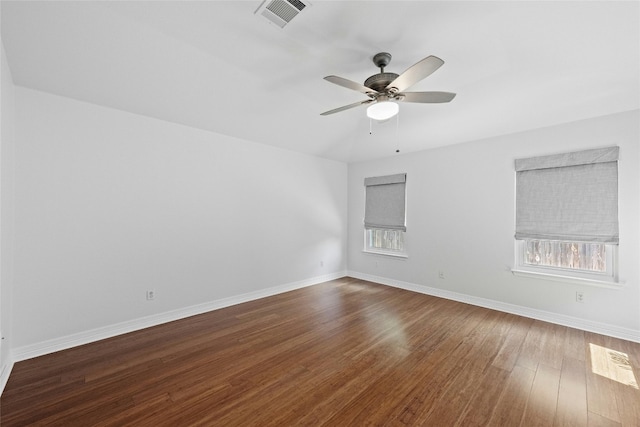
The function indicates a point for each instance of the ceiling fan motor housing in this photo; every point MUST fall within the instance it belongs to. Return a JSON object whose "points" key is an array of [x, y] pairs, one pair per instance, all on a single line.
{"points": [[380, 81]]}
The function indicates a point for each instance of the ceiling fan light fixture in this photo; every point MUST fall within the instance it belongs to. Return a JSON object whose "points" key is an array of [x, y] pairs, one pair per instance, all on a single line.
{"points": [[382, 110]]}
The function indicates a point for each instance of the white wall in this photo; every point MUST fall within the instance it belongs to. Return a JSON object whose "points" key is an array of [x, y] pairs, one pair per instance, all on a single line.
{"points": [[110, 204], [6, 214], [460, 220]]}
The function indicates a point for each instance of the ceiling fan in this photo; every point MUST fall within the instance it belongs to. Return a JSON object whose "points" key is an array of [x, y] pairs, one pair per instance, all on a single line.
{"points": [[384, 90]]}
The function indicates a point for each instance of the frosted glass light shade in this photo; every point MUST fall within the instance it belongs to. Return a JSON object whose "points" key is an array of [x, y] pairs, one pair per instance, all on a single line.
{"points": [[382, 110]]}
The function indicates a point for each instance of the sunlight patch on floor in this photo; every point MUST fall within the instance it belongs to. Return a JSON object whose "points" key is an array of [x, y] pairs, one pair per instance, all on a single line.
{"points": [[612, 364]]}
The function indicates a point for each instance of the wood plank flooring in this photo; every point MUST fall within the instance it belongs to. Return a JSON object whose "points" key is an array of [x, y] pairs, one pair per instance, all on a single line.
{"points": [[345, 352]]}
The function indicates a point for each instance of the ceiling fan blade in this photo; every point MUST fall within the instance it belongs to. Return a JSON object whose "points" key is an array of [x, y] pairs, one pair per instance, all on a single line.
{"points": [[349, 84], [416, 72], [427, 97], [346, 107]]}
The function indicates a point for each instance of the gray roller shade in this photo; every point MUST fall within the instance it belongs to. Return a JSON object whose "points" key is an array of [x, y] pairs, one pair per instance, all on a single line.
{"points": [[385, 202], [569, 197]]}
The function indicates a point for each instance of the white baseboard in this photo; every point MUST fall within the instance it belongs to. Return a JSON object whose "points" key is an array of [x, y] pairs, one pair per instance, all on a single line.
{"points": [[5, 371], [559, 319], [81, 338]]}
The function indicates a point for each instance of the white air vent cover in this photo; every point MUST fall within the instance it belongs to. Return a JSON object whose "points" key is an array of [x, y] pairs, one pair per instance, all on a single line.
{"points": [[281, 12]]}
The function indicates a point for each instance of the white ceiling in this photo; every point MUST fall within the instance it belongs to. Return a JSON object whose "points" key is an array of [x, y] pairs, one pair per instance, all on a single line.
{"points": [[216, 65]]}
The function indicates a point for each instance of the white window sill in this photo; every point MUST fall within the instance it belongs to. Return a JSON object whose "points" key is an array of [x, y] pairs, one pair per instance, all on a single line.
{"points": [[387, 254], [600, 283]]}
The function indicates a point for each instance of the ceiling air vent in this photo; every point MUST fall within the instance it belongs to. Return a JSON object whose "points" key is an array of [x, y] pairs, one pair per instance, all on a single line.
{"points": [[281, 12]]}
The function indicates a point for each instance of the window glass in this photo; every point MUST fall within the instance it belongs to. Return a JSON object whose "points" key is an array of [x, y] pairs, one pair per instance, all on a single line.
{"points": [[568, 255], [383, 240]]}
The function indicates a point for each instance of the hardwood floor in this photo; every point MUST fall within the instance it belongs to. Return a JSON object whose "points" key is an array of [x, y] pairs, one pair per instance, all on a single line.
{"points": [[345, 352]]}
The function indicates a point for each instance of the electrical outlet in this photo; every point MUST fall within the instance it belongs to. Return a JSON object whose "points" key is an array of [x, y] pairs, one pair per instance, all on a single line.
{"points": [[579, 296], [441, 274], [321, 263], [151, 294]]}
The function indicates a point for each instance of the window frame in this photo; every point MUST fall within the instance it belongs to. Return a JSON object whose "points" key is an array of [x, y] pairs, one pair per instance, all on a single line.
{"points": [[607, 279], [387, 252]]}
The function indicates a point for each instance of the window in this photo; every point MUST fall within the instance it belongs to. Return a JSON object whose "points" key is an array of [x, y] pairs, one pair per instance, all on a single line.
{"points": [[381, 240], [384, 216], [567, 261], [581, 260], [567, 214], [571, 255]]}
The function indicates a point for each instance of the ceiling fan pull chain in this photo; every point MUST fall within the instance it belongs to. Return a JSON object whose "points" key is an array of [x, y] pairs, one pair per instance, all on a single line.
{"points": [[370, 130], [397, 133]]}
